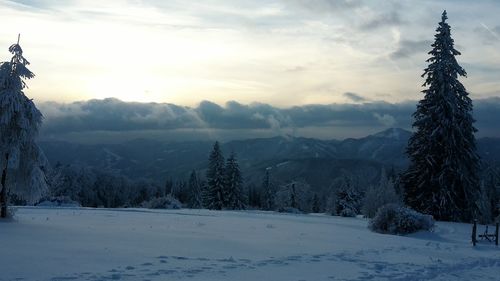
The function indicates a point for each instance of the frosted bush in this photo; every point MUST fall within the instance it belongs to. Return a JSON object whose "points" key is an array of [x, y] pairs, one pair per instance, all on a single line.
{"points": [[348, 213], [11, 213], [397, 219], [167, 202]]}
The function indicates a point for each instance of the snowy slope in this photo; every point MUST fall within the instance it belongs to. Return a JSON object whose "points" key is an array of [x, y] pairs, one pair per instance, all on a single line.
{"points": [[137, 244]]}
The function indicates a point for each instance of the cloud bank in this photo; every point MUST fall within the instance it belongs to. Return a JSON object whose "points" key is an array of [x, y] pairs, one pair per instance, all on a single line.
{"points": [[113, 120]]}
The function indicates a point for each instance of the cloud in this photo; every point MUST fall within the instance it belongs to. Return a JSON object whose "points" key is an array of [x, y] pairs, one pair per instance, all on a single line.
{"points": [[407, 48], [296, 69], [114, 115], [169, 47], [326, 6], [35, 5], [497, 31], [120, 120], [385, 119], [489, 35], [381, 20], [354, 97]]}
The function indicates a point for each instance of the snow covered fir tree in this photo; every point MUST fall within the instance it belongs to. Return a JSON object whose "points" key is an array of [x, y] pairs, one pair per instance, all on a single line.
{"points": [[378, 196], [269, 192], [442, 179], [347, 197], [195, 191], [233, 184], [215, 179], [21, 161]]}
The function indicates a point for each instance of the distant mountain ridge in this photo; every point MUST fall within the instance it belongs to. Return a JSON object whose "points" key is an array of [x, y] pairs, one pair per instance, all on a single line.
{"points": [[316, 161]]}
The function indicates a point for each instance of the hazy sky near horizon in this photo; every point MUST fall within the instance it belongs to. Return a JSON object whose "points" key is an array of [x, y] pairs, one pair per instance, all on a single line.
{"points": [[281, 52]]}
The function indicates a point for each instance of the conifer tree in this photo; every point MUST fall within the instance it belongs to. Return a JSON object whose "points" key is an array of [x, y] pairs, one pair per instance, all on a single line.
{"points": [[195, 192], [293, 197], [182, 192], [348, 197], [269, 192], [316, 208], [215, 179], [488, 200], [383, 194], [205, 194], [442, 179], [169, 187], [233, 184], [21, 160], [254, 196]]}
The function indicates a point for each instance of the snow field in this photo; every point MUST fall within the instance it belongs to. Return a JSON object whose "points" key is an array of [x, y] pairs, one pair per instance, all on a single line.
{"points": [[139, 244]]}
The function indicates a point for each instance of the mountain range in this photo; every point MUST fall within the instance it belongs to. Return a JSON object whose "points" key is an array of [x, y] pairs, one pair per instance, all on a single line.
{"points": [[289, 158]]}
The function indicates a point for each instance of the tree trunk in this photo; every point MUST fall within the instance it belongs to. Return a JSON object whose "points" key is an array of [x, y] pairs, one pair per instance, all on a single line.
{"points": [[3, 193]]}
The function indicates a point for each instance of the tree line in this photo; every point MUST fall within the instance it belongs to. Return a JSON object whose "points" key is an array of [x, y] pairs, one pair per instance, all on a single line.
{"points": [[222, 186]]}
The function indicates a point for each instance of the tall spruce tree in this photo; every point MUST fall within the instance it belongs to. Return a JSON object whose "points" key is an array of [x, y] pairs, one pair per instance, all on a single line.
{"points": [[195, 191], [215, 179], [233, 187], [254, 196], [205, 194], [348, 197], [21, 160], [293, 197], [269, 192], [442, 178], [383, 194], [316, 205]]}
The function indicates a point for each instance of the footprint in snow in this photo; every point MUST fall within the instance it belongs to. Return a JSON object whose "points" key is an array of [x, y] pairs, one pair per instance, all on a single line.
{"points": [[166, 271], [180, 258]]}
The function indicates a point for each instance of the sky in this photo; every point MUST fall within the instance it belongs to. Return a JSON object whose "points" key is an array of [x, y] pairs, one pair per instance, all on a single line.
{"points": [[177, 70], [281, 52]]}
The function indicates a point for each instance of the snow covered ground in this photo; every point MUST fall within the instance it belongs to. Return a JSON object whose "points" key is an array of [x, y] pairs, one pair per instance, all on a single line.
{"points": [[137, 244]]}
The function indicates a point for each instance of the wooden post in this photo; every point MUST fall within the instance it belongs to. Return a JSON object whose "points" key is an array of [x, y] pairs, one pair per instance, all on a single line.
{"points": [[496, 234], [3, 194], [474, 230]]}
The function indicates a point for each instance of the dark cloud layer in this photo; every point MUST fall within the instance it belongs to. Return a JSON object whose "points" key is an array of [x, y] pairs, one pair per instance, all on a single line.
{"points": [[122, 120], [354, 97]]}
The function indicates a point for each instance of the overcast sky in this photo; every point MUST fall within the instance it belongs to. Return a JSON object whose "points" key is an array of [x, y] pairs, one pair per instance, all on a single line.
{"points": [[280, 52]]}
